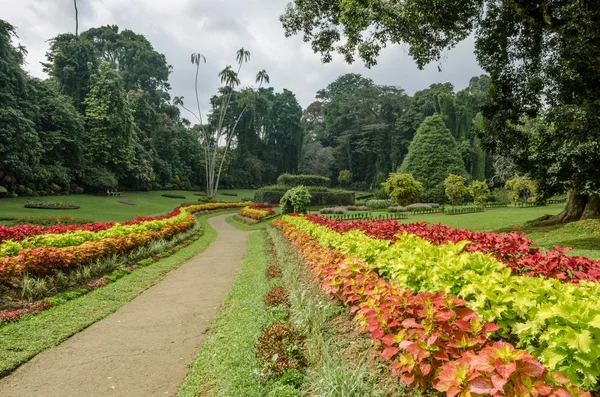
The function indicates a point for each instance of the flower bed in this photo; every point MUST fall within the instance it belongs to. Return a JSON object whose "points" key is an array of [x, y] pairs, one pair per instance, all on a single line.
{"points": [[513, 249], [47, 259], [431, 339], [258, 212], [557, 322]]}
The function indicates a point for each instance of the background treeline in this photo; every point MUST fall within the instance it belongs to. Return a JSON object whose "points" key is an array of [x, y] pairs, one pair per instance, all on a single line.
{"points": [[367, 128], [104, 120]]}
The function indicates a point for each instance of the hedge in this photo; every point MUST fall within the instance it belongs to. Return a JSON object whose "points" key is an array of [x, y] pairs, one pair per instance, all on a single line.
{"points": [[331, 197], [305, 180]]}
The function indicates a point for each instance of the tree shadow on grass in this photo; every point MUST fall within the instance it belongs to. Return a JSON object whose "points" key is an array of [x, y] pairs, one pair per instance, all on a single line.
{"points": [[589, 243]]}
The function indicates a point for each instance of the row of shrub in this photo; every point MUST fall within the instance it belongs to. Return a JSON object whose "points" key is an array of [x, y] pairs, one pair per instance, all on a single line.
{"points": [[258, 212], [553, 320], [319, 196], [290, 180], [73, 248], [432, 340]]}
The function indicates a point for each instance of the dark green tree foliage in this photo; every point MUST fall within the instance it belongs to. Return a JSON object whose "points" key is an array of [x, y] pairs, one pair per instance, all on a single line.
{"points": [[71, 62], [19, 144], [110, 139], [432, 156], [542, 58], [368, 126], [268, 139]]}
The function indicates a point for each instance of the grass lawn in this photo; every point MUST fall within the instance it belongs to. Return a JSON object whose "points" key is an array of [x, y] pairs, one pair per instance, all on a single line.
{"points": [[493, 219], [103, 208], [226, 365], [22, 340]]}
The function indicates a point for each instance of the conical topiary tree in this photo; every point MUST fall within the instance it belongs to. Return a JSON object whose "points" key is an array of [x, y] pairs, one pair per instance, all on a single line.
{"points": [[432, 155]]}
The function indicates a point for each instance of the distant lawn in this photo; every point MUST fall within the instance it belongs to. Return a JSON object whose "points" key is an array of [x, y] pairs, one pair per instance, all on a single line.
{"points": [[103, 208], [493, 219]]}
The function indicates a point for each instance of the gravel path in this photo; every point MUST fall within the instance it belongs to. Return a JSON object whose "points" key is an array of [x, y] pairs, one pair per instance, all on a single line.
{"points": [[144, 348]]}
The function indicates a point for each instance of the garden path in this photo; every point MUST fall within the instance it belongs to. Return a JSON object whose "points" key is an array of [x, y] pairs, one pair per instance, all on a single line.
{"points": [[144, 348]]}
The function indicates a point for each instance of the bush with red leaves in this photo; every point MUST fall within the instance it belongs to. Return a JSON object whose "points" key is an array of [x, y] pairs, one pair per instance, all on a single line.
{"points": [[279, 348], [277, 296]]}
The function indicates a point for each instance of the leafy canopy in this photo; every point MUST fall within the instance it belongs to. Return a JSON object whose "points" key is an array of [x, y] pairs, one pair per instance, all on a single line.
{"points": [[455, 189], [403, 188], [542, 57]]}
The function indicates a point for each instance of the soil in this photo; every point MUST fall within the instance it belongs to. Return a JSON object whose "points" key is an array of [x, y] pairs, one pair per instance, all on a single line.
{"points": [[145, 348]]}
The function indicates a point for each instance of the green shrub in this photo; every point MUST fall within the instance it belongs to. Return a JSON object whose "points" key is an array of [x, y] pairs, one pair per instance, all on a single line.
{"points": [[363, 196], [320, 196], [3, 191], [520, 189], [480, 192], [345, 177], [303, 180], [404, 189], [455, 189], [295, 200], [380, 194], [99, 179], [379, 204]]}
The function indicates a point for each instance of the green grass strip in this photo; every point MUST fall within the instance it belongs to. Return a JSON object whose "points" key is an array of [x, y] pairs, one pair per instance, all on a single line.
{"points": [[226, 365], [22, 340]]}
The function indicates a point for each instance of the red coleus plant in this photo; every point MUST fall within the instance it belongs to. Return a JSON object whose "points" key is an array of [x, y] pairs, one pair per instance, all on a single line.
{"points": [[513, 249], [273, 272], [20, 232], [425, 336], [279, 348], [502, 370], [14, 315], [275, 297]]}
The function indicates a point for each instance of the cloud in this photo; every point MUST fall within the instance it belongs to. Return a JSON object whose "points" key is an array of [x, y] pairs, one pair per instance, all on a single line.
{"points": [[217, 29]]}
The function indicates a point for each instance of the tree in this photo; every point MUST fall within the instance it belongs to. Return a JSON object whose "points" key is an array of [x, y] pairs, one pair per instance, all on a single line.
{"points": [[541, 57], [432, 156], [19, 144], [76, 19], [222, 126], [480, 192], [316, 159], [345, 177], [520, 189], [455, 189], [72, 61], [110, 138], [403, 188]]}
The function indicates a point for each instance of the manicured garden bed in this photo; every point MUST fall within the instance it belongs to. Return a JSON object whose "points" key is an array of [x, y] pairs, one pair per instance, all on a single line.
{"points": [[391, 283]]}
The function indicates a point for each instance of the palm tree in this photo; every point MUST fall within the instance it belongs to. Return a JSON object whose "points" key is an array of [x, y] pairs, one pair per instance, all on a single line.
{"points": [[76, 19], [229, 77], [197, 58], [262, 77], [178, 101], [242, 56]]}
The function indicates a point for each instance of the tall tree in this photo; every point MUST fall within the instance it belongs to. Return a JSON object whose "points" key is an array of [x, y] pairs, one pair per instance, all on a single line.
{"points": [[541, 56], [72, 62], [19, 143], [76, 18], [110, 138], [432, 156]]}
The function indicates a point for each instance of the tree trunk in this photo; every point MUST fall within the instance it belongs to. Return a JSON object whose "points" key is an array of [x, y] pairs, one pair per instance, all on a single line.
{"points": [[579, 206]]}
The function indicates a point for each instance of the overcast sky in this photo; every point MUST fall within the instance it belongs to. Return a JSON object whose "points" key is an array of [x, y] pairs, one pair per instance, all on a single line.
{"points": [[217, 29]]}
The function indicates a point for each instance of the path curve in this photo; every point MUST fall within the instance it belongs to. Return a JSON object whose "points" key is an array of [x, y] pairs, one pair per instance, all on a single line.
{"points": [[145, 347]]}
